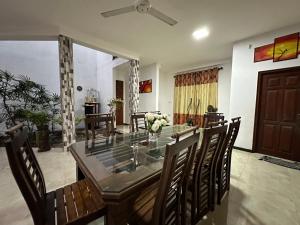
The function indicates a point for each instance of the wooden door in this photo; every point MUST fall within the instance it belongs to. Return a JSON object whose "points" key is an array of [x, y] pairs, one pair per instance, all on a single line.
{"points": [[278, 103], [119, 94]]}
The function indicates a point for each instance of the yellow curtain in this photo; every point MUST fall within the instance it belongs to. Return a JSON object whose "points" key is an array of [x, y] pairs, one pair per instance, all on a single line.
{"points": [[193, 93]]}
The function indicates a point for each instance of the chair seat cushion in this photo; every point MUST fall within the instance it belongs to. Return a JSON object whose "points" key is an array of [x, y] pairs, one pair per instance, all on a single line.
{"points": [[79, 202], [143, 206]]}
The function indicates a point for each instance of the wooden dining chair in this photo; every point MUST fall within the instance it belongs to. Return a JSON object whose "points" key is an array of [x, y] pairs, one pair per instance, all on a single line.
{"points": [[78, 203], [203, 175], [212, 117], [138, 121], [165, 201], [224, 162], [187, 132], [100, 126]]}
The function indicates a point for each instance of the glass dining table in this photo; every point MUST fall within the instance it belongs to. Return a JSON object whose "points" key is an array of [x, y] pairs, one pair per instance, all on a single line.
{"points": [[122, 165]]}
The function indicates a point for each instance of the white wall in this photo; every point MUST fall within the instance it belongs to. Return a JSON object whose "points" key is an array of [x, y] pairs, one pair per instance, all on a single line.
{"points": [[39, 60], [35, 59], [244, 80], [166, 94], [106, 80], [121, 72], [85, 74], [166, 97], [149, 101], [224, 86]]}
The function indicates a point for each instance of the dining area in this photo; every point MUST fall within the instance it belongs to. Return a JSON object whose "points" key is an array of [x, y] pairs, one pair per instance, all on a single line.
{"points": [[176, 174]]}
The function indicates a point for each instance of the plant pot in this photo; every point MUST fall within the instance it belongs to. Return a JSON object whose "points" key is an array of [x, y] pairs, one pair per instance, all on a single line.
{"points": [[42, 138]]}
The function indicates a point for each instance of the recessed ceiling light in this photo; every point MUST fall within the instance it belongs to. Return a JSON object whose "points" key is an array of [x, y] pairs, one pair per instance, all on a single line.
{"points": [[201, 33]]}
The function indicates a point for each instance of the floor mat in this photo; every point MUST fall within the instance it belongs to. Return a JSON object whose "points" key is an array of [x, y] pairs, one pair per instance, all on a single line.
{"points": [[281, 162]]}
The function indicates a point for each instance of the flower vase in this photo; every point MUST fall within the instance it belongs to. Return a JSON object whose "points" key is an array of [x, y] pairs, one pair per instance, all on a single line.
{"points": [[153, 137]]}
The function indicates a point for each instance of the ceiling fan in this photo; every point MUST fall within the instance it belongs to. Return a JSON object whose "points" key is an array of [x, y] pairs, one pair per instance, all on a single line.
{"points": [[141, 6]]}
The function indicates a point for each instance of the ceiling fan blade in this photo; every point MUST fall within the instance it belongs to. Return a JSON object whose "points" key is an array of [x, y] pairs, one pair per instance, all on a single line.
{"points": [[119, 11], [159, 15]]}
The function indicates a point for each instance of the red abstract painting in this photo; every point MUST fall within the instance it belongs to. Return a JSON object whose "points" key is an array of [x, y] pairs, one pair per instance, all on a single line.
{"points": [[263, 53], [146, 86], [286, 47]]}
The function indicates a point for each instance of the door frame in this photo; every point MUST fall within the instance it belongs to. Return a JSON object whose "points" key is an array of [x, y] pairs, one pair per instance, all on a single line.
{"points": [[261, 74]]}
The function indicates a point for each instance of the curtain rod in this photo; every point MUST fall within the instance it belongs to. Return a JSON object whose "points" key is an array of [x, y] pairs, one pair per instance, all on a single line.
{"points": [[199, 69]]}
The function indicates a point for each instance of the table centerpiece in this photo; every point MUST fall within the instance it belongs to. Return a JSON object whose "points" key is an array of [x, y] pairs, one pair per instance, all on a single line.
{"points": [[155, 123]]}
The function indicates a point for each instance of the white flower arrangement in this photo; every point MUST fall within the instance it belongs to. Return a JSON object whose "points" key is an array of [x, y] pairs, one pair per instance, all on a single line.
{"points": [[156, 122]]}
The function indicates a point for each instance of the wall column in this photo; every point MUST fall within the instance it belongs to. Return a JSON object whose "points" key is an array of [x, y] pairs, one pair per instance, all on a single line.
{"points": [[67, 90], [134, 86]]}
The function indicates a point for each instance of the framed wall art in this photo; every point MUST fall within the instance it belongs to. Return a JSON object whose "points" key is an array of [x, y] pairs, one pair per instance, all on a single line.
{"points": [[286, 47], [263, 53], [146, 86]]}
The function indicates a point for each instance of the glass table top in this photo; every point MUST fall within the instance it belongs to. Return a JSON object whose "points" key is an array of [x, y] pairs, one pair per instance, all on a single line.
{"points": [[120, 161]]}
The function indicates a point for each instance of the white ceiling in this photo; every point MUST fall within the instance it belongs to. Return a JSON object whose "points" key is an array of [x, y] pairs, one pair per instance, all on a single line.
{"points": [[146, 37]]}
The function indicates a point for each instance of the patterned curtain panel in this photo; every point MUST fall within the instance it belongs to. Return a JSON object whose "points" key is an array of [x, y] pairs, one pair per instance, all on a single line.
{"points": [[193, 93], [67, 89], [134, 86]]}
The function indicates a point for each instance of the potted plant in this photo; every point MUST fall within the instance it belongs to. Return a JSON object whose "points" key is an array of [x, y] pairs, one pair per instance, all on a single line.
{"points": [[155, 123], [114, 103], [80, 132], [211, 109], [41, 121]]}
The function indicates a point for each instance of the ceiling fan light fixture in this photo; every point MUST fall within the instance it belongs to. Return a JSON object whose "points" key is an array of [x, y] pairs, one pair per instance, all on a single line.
{"points": [[201, 33], [143, 7]]}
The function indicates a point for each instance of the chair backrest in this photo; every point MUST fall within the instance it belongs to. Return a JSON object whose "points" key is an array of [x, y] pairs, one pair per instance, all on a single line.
{"points": [[298, 130], [212, 142], [204, 163], [222, 139], [99, 123], [212, 117], [184, 133], [232, 133], [230, 138], [138, 121], [27, 172], [224, 161], [173, 181]]}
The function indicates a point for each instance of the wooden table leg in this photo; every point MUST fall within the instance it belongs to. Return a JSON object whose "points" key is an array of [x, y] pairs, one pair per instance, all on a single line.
{"points": [[118, 212], [79, 174], [117, 216]]}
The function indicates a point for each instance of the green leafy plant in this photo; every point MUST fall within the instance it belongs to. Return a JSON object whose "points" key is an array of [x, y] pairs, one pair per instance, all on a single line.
{"points": [[211, 108], [114, 103], [7, 94], [78, 120], [20, 95], [39, 119]]}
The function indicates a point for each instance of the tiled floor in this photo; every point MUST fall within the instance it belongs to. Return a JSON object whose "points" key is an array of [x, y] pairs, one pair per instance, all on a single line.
{"points": [[261, 193]]}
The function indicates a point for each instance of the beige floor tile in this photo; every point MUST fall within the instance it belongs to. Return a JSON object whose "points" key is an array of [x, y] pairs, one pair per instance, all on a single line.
{"points": [[261, 193]]}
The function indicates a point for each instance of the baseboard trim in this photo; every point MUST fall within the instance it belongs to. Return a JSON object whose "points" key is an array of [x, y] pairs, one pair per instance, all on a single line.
{"points": [[242, 149]]}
